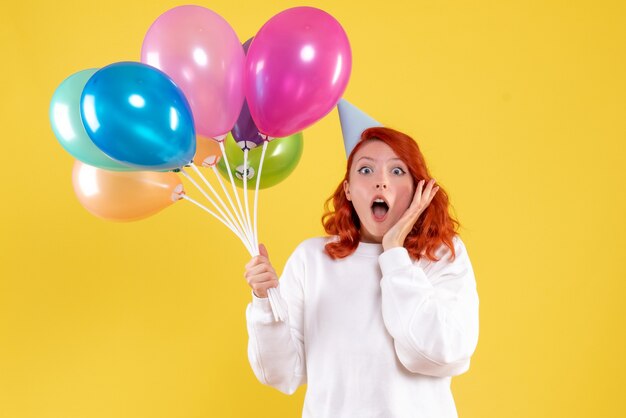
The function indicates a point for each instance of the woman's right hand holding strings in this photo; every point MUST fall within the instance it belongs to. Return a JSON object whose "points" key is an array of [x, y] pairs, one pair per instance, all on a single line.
{"points": [[260, 274]]}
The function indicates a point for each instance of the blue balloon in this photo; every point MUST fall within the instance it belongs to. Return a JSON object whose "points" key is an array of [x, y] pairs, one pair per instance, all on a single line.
{"points": [[136, 115]]}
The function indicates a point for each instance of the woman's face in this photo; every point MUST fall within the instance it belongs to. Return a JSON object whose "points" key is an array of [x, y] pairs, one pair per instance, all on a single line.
{"points": [[376, 174]]}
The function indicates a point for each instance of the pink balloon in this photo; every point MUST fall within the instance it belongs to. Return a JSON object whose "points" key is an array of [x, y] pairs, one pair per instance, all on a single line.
{"points": [[199, 50], [297, 69]]}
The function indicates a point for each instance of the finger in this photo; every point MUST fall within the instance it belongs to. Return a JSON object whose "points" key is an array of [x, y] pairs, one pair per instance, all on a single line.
{"points": [[268, 283], [435, 190], [261, 288], [262, 279], [432, 195], [256, 260], [426, 195], [263, 251], [250, 263], [417, 196], [429, 187], [262, 268], [273, 283], [420, 186], [410, 215], [420, 200]]}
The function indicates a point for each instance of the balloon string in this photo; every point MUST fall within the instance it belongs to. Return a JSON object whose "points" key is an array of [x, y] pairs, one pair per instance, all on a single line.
{"points": [[201, 206], [256, 193], [272, 292], [232, 182], [255, 244], [254, 250], [224, 207], [279, 315], [182, 170], [230, 200], [219, 178]]}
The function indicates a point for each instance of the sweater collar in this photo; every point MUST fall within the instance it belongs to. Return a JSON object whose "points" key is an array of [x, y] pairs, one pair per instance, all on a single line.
{"points": [[369, 249]]}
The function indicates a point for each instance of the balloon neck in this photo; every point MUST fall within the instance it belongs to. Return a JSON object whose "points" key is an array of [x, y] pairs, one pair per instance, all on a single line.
{"points": [[220, 138], [178, 193], [210, 161]]}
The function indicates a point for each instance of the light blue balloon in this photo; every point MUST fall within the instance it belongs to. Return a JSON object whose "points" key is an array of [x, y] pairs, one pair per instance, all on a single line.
{"points": [[67, 124], [136, 115]]}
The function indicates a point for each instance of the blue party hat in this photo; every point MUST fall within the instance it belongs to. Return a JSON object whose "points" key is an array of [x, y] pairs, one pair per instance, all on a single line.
{"points": [[353, 123]]}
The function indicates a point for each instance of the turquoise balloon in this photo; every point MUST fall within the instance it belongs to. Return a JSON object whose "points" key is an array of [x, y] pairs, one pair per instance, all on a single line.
{"points": [[68, 126], [136, 115]]}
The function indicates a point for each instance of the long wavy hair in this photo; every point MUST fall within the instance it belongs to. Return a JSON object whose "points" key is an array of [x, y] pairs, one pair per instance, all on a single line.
{"points": [[433, 227]]}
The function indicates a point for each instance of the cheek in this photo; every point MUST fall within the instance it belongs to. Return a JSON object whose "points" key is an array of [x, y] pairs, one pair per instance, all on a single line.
{"points": [[361, 203], [404, 199]]}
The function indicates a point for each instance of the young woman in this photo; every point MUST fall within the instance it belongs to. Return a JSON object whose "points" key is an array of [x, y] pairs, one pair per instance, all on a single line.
{"points": [[382, 312]]}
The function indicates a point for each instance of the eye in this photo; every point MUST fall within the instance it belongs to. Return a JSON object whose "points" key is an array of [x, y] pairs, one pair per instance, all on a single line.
{"points": [[398, 171], [364, 170]]}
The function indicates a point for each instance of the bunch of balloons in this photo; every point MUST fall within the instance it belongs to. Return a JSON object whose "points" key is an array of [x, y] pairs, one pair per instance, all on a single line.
{"points": [[200, 97]]}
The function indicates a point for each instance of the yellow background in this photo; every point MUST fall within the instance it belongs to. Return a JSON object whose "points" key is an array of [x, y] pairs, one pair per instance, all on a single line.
{"points": [[519, 108]]}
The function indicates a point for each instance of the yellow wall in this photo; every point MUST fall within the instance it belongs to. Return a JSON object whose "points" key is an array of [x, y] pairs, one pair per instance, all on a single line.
{"points": [[519, 108]]}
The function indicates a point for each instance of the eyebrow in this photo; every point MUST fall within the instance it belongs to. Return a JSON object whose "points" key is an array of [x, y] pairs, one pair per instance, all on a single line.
{"points": [[372, 159]]}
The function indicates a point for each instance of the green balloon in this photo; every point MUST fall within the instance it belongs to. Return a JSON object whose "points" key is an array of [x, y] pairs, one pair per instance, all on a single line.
{"points": [[281, 158], [68, 126]]}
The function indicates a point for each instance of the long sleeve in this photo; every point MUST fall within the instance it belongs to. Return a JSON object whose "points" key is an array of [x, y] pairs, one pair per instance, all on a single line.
{"points": [[276, 349], [432, 315]]}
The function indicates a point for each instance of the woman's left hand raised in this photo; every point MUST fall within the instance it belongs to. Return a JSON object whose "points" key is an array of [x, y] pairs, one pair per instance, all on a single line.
{"points": [[398, 232]]}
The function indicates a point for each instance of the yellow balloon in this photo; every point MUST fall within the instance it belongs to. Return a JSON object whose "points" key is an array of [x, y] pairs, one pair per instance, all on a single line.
{"points": [[208, 152], [124, 195]]}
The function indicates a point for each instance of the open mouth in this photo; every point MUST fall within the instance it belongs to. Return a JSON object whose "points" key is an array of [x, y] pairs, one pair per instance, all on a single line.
{"points": [[379, 209]]}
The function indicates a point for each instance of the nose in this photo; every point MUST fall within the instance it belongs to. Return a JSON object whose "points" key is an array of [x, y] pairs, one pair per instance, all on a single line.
{"points": [[380, 181]]}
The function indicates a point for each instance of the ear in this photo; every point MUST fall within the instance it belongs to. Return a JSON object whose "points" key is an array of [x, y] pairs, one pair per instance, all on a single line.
{"points": [[346, 189]]}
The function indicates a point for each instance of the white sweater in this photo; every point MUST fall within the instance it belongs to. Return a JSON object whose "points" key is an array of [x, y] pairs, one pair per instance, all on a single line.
{"points": [[375, 334]]}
